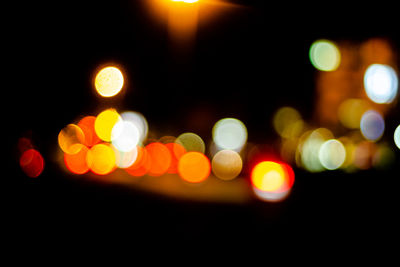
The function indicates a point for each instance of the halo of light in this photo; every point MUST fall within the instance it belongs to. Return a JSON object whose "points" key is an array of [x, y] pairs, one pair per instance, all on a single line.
{"points": [[268, 176], [350, 112], [396, 136], [160, 158], [191, 142], [381, 83], [109, 81], [76, 163], [142, 163], [104, 125], [87, 126], [177, 151], [229, 133], [127, 136], [332, 154], [194, 167], [101, 159], [31, 163], [324, 55], [227, 164], [69, 136], [372, 125], [139, 121]]}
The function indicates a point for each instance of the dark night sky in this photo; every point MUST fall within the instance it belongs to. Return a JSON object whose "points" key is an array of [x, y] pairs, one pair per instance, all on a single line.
{"points": [[245, 64]]}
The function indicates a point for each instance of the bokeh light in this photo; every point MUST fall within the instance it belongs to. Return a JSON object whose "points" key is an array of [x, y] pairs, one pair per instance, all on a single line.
{"points": [[194, 167], [105, 123], [191, 142], [87, 126], [372, 125], [177, 151], [31, 163], [127, 136], [142, 163], [69, 136], [396, 136], [101, 159], [160, 158], [109, 81], [381, 83], [325, 55], [229, 133], [139, 121], [227, 164], [76, 163], [350, 112], [287, 122], [125, 159], [332, 154]]}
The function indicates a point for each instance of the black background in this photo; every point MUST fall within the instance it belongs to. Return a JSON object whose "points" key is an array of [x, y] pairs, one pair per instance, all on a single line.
{"points": [[245, 64]]}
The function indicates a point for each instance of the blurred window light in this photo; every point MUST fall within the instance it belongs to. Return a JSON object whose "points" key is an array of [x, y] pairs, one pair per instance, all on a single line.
{"points": [[332, 154], [104, 125], [324, 55], [127, 136], [109, 81], [227, 164], [191, 142], [350, 112], [381, 83], [76, 163], [194, 167], [372, 125], [229, 133], [32, 163], [397, 136], [69, 136], [101, 159]]}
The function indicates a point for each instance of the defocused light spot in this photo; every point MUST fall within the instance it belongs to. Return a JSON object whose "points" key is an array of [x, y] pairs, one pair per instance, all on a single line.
{"points": [[139, 121], [229, 133], [160, 158], [104, 124], [350, 112], [332, 154], [101, 159], [384, 157], [397, 136], [24, 144], [125, 159], [191, 142], [127, 136], [268, 176], [69, 136], [227, 164], [194, 167], [362, 155], [87, 126], [142, 163], [32, 163], [186, 1], [177, 151], [76, 163], [109, 81], [372, 125], [287, 122], [270, 196], [381, 83], [324, 55]]}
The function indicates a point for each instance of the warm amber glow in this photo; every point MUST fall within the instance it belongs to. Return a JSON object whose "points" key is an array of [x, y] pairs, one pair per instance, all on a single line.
{"points": [[101, 159], [268, 176], [87, 126], [182, 21], [227, 164], [109, 81], [69, 136], [160, 158], [32, 163], [76, 163], [142, 163], [177, 151], [104, 124], [194, 167]]}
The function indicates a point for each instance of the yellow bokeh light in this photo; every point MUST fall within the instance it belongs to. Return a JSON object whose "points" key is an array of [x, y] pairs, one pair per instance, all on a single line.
{"points": [[324, 55], [287, 122], [350, 112], [268, 176], [69, 136], [191, 142], [101, 159], [109, 81], [226, 164], [104, 124]]}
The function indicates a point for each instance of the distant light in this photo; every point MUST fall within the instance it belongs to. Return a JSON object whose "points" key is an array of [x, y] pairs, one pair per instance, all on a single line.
{"points": [[397, 136], [142, 163], [109, 81], [76, 163], [287, 122], [372, 125], [325, 55], [191, 142], [227, 164], [177, 151], [87, 126], [160, 159], [32, 163], [350, 112], [381, 83], [139, 121], [194, 167], [125, 159], [127, 136], [229, 133], [101, 159], [104, 124], [69, 136], [310, 147], [332, 154]]}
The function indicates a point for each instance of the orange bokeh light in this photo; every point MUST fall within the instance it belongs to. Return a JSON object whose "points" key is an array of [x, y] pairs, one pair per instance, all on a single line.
{"points": [[76, 163], [101, 159], [194, 167], [177, 151], [160, 158], [69, 136], [32, 163], [270, 176], [87, 126], [142, 163]]}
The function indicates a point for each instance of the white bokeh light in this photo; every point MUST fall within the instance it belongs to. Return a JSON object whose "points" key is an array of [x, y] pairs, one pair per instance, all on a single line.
{"points": [[229, 133], [381, 83]]}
